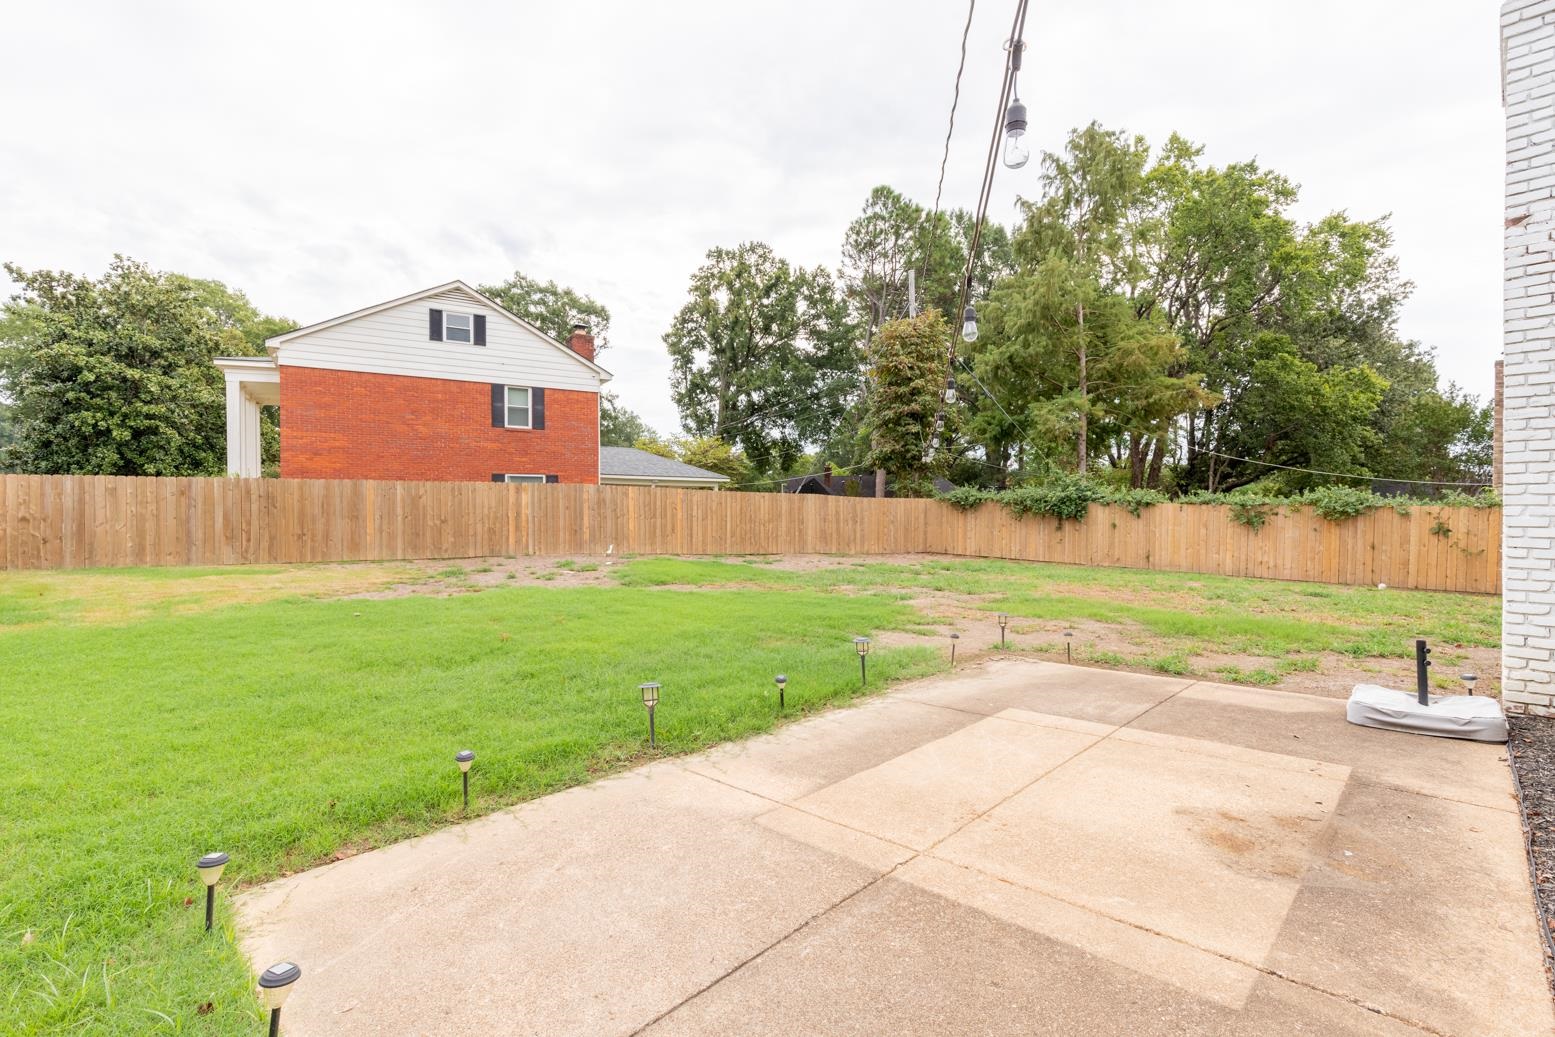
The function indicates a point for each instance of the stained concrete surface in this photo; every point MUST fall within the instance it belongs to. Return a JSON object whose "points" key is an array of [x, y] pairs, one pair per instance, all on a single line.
{"points": [[1022, 848]]}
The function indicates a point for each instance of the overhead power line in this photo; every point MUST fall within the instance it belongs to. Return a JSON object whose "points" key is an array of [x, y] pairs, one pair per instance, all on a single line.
{"points": [[955, 100]]}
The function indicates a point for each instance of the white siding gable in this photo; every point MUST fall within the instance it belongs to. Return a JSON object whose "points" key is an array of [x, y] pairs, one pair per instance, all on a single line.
{"points": [[394, 340]]}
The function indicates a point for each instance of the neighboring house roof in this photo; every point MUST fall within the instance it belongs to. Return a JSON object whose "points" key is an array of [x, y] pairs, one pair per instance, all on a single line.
{"points": [[628, 465], [274, 343], [840, 485]]}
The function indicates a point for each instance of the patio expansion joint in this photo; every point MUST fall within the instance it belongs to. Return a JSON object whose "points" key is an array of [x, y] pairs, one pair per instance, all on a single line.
{"points": [[1378, 783]]}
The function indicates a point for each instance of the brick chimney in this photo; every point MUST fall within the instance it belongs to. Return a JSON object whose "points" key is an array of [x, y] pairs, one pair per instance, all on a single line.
{"points": [[581, 342], [826, 475]]}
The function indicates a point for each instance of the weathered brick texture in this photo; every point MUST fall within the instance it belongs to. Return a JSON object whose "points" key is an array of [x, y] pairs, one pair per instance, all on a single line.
{"points": [[351, 425], [1528, 372]]}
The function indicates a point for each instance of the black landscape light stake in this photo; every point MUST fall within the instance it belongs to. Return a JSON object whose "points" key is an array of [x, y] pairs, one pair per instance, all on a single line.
{"points": [[210, 873], [862, 644], [954, 637], [782, 682], [1422, 663], [1004, 621], [1469, 679], [275, 985], [1069, 646], [465, 757], [650, 700]]}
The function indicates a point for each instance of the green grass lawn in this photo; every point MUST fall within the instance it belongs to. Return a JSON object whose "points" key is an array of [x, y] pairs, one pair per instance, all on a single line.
{"points": [[286, 730], [149, 716]]}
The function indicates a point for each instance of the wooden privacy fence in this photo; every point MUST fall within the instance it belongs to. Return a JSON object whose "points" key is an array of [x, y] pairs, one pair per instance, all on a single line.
{"points": [[68, 522]]}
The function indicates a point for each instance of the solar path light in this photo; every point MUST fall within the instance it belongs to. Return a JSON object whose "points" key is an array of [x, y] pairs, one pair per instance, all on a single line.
{"points": [[275, 985], [465, 757], [650, 692], [1004, 621], [781, 681], [1469, 679], [1068, 646], [862, 645], [210, 867], [954, 637]]}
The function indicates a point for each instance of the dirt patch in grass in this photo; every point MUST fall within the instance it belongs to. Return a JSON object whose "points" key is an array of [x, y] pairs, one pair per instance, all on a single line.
{"points": [[963, 596], [1119, 618], [116, 596]]}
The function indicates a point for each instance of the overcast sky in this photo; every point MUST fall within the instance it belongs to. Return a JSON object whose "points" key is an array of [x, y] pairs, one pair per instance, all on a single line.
{"points": [[325, 156]]}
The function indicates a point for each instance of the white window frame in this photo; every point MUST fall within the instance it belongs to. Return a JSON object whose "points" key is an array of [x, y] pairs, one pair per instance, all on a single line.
{"points": [[507, 407], [523, 478], [468, 329]]}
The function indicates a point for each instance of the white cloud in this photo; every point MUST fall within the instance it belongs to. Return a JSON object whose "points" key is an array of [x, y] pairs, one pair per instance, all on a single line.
{"points": [[324, 156]]}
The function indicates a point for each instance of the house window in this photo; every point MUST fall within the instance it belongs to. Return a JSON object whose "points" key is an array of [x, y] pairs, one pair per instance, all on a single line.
{"points": [[458, 327], [518, 407], [524, 478]]}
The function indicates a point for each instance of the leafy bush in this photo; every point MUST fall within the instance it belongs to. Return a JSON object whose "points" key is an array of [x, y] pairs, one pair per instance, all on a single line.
{"points": [[1069, 497], [1337, 503], [968, 497], [1066, 497]]}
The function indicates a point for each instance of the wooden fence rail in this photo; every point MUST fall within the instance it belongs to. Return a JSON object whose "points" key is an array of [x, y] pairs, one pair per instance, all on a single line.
{"points": [[69, 522]]}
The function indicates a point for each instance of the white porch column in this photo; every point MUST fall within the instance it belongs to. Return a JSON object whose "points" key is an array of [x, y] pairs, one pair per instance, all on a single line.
{"points": [[242, 431]]}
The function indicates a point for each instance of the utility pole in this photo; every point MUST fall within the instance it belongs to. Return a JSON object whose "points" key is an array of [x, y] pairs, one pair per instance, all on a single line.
{"points": [[912, 293]]}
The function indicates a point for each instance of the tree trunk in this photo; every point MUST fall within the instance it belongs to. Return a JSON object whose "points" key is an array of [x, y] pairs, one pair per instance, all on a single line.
{"points": [[1085, 408], [1157, 459], [1136, 461]]}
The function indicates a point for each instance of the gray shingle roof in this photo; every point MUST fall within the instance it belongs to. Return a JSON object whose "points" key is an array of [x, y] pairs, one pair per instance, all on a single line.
{"points": [[639, 464]]}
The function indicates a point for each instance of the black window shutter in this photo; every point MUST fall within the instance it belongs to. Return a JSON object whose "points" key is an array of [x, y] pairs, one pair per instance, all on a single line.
{"points": [[499, 406], [435, 325], [480, 329], [553, 478], [537, 407], [498, 477]]}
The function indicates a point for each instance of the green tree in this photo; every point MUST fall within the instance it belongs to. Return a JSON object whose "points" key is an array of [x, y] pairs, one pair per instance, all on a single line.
{"points": [[1436, 435], [1072, 358], [551, 307], [907, 378], [7, 435], [1295, 413], [115, 376], [1083, 221], [715, 455], [763, 355], [618, 425]]}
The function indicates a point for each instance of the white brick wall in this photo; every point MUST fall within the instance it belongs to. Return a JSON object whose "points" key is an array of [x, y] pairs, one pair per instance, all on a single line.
{"points": [[1528, 433]]}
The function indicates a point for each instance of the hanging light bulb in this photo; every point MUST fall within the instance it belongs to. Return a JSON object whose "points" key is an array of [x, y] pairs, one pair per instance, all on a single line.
{"points": [[969, 325], [950, 389], [1016, 153], [939, 424]]}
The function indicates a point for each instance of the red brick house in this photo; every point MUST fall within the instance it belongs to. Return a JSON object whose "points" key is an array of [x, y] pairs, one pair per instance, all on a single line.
{"points": [[440, 385]]}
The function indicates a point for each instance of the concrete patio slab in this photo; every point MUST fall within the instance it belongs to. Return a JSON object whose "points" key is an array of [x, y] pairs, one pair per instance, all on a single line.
{"points": [[898, 959], [800, 758], [1021, 849], [1418, 905], [923, 795], [586, 912], [1111, 697], [1126, 828], [1309, 726]]}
